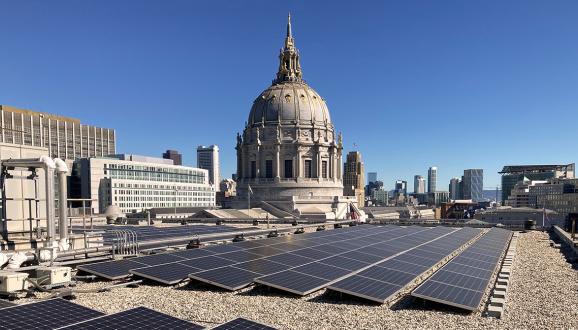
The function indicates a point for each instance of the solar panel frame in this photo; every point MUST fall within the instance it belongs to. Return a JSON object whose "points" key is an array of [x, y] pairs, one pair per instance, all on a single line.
{"points": [[46, 314], [135, 318]]}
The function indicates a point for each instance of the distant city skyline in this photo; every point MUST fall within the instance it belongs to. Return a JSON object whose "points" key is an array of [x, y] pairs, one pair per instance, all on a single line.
{"points": [[475, 73]]}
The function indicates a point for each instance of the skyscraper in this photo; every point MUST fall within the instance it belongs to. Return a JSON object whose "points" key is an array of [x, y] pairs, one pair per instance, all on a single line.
{"points": [[454, 187], [401, 187], [473, 184], [208, 159], [371, 177], [353, 180], [418, 184], [175, 156], [432, 178]]}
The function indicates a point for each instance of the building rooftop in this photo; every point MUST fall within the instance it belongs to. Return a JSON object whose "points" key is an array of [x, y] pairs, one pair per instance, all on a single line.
{"points": [[519, 169]]}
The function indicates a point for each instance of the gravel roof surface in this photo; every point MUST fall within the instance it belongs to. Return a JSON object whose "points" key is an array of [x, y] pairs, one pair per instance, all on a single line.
{"points": [[543, 294]]}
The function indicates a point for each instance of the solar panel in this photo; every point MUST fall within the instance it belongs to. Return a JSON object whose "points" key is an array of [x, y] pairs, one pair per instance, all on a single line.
{"points": [[229, 277], [136, 318], [47, 314], [166, 274], [112, 270], [383, 280], [4, 303], [243, 324], [462, 282]]}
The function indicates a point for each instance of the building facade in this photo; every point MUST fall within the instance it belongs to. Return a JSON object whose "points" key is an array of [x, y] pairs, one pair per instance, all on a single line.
{"points": [[432, 179], [208, 159], [173, 155], [135, 186], [513, 174], [353, 179], [418, 184], [65, 138], [473, 184]]}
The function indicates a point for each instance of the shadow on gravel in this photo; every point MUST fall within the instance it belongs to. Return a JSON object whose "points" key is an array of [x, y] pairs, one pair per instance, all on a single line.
{"points": [[566, 251], [193, 285], [262, 290], [338, 298], [418, 304]]}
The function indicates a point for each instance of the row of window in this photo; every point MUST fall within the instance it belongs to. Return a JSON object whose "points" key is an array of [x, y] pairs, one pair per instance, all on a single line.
{"points": [[161, 186], [288, 169]]}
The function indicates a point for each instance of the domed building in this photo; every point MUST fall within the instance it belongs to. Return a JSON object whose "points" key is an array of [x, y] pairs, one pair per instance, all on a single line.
{"points": [[289, 157]]}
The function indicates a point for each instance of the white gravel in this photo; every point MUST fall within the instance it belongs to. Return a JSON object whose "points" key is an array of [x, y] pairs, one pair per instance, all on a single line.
{"points": [[543, 294]]}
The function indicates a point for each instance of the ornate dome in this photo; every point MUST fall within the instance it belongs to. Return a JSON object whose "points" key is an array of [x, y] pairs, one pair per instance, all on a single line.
{"points": [[289, 103]]}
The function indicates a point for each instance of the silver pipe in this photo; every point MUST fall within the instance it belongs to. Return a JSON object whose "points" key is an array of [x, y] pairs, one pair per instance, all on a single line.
{"points": [[62, 172], [49, 167]]}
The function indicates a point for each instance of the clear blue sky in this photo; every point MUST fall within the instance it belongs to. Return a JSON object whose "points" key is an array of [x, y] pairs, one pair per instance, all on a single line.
{"points": [[457, 84]]}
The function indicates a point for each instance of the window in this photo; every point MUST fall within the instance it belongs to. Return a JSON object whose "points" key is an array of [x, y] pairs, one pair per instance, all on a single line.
{"points": [[288, 168], [253, 169], [268, 168], [307, 168], [324, 169]]}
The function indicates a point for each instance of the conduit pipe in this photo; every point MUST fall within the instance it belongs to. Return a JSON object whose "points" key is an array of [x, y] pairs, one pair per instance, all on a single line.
{"points": [[62, 172]]}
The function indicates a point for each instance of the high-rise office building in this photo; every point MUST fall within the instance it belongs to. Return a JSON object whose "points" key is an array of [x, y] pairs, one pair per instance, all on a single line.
{"points": [[64, 137], [473, 184], [353, 180], [455, 188], [432, 179], [208, 158], [401, 187], [175, 156], [418, 184], [371, 177]]}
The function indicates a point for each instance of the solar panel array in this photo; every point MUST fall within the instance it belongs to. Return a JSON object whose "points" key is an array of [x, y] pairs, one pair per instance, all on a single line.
{"points": [[136, 318], [47, 314], [305, 252], [173, 267], [385, 279], [320, 273], [243, 324], [463, 281]]}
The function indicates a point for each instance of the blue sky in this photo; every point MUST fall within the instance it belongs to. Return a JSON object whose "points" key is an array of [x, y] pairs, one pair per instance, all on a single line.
{"points": [[456, 84]]}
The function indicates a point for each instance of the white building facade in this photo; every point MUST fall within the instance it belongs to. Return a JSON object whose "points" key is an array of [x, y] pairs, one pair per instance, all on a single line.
{"points": [[135, 186]]}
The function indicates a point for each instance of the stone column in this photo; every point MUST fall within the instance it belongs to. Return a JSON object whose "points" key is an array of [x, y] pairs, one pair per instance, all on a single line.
{"points": [[277, 162], [297, 164]]}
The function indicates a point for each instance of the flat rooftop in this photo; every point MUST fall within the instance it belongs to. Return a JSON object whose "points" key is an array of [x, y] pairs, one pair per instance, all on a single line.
{"points": [[543, 293]]}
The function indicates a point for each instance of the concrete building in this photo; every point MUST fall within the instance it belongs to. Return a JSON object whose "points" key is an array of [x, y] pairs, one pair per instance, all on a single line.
{"points": [[289, 155], [175, 156], [473, 184], [380, 196], [353, 181], [513, 174], [64, 137], [371, 177], [134, 185], [208, 159], [560, 195], [432, 179], [418, 184], [455, 189]]}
